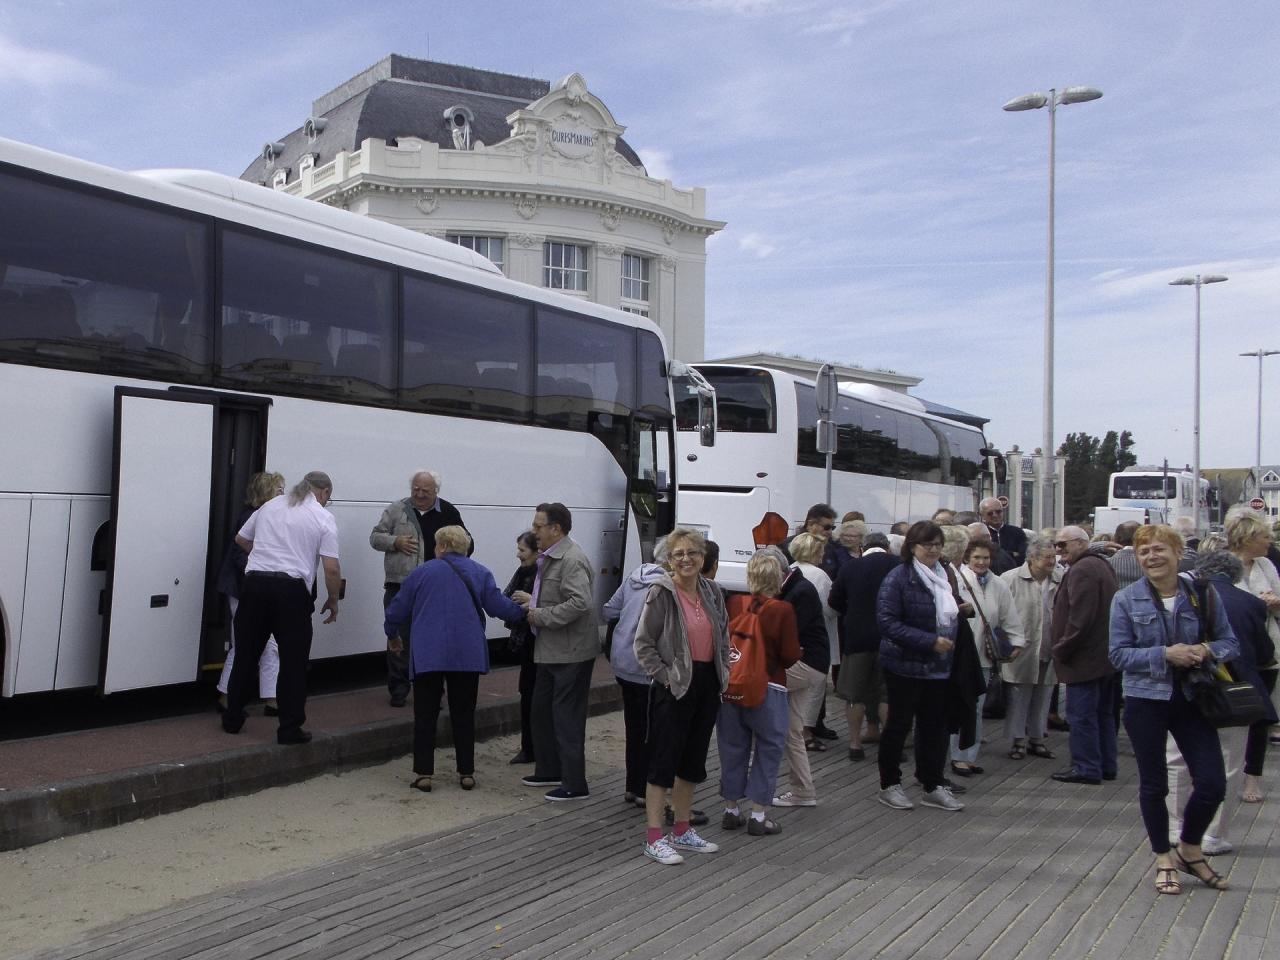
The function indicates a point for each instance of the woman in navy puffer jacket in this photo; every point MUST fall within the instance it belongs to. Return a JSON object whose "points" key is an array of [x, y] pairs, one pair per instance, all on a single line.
{"points": [[918, 616]]}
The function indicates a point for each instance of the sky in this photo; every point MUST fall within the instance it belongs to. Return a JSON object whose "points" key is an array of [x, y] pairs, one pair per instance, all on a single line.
{"points": [[882, 209]]}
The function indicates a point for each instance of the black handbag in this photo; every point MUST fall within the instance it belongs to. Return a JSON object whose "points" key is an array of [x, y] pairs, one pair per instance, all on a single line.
{"points": [[1213, 688]]}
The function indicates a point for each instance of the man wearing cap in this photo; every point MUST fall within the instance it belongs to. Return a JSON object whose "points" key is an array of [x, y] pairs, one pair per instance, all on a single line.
{"points": [[285, 539]]}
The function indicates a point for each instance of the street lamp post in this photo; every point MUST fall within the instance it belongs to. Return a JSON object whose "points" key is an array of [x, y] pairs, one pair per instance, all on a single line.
{"points": [[1034, 101], [1259, 353], [1197, 281]]}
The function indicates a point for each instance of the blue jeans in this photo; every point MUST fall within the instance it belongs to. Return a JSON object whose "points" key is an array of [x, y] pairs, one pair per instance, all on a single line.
{"points": [[752, 738], [1149, 723], [1091, 714]]}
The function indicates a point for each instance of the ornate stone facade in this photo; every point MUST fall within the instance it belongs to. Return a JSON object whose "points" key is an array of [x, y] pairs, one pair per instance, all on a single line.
{"points": [[556, 171]]}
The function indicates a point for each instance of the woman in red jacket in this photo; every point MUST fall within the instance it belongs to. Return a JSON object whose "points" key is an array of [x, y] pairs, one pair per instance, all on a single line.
{"points": [[757, 736]]}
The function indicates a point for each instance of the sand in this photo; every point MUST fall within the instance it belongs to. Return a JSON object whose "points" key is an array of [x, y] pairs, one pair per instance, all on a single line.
{"points": [[58, 892]]}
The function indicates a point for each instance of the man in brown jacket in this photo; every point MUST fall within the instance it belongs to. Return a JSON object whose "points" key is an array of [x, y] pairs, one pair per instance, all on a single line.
{"points": [[1081, 615]]}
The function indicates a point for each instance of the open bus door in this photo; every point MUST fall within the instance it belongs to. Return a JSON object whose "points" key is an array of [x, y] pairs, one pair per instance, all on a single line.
{"points": [[180, 463]]}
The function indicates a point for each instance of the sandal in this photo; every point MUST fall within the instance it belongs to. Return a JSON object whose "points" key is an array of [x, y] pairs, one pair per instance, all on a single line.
{"points": [[1016, 752], [466, 781], [1167, 881], [422, 783], [1040, 750], [814, 745], [1214, 881]]}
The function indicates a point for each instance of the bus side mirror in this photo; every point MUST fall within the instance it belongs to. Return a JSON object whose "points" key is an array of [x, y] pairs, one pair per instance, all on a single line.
{"points": [[706, 419]]}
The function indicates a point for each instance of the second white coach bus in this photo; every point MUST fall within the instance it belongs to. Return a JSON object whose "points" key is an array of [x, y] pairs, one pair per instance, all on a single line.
{"points": [[895, 461], [165, 335]]}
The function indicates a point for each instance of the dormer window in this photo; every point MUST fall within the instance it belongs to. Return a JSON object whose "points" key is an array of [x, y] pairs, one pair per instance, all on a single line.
{"points": [[280, 178], [271, 150], [307, 161], [313, 128], [459, 120], [1270, 477]]}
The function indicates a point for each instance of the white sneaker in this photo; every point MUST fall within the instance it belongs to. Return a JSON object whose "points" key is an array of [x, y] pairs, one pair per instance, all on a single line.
{"points": [[661, 851], [941, 798], [1212, 846], [789, 799], [895, 797], [689, 840]]}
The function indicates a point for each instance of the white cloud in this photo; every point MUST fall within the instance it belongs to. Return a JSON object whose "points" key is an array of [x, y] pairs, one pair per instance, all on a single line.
{"points": [[659, 163], [43, 69], [756, 245]]}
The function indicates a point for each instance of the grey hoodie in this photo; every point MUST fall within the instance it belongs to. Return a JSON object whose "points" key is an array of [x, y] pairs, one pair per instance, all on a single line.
{"points": [[625, 606]]}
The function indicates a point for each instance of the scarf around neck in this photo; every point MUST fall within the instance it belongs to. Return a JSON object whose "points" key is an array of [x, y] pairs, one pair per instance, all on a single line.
{"points": [[944, 604]]}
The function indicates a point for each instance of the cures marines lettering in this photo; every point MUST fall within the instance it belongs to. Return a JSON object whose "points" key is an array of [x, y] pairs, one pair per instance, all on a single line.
{"points": [[572, 138]]}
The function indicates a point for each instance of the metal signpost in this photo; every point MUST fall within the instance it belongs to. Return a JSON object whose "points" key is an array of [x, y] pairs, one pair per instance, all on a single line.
{"points": [[827, 388]]}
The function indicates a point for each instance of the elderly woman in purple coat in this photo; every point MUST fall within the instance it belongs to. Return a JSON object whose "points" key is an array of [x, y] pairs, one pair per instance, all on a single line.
{"points": [[446, 600]]}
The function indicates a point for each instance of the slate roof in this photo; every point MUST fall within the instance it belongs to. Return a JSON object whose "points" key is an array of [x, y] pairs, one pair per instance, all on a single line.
{"points": [[402, 97]]}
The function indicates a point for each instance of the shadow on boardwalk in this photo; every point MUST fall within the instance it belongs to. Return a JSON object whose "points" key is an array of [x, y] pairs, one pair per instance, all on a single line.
{"points": [[1030, 869]]}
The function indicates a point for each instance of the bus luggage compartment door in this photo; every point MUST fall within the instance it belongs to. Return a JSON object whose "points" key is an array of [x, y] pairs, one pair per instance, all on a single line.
{"points": [[154, 601]]}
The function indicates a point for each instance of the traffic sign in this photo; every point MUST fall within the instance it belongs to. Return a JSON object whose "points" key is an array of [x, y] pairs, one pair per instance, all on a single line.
{"points": [[1257, 503], [1004, 501]]}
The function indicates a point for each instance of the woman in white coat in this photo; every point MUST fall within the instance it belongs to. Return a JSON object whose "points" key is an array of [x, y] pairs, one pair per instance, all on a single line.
{"points": [[993, 610], [1031, 679]]}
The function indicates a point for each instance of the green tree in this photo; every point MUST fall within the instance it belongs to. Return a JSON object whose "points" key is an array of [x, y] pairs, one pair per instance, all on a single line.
{"points": [[1090, 463]]}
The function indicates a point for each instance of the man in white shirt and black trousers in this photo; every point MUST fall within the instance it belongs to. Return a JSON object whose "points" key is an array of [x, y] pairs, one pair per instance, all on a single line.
{"points": [[284, 540]]}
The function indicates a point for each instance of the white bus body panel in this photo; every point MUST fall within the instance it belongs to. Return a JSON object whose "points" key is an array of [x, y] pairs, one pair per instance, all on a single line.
{"points": [[80, 638], [161, 541], [42, 603]]}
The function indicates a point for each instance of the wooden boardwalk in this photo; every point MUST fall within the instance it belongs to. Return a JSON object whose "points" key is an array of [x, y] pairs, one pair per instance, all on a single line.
{"points": [[1031, 869]]}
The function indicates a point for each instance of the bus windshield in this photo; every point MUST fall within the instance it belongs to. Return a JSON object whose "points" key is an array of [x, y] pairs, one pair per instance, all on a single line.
{"points": [[1140, 486], [744, 401]]}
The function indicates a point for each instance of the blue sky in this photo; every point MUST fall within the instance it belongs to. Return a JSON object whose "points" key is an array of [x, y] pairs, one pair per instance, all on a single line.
{"points": [[882, 210]]}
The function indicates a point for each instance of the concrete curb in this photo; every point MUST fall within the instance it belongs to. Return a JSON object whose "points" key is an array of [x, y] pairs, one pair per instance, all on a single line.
{"points": [[38, 815]]}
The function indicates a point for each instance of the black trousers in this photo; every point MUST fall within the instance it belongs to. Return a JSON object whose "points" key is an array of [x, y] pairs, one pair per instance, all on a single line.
{"points": [[398, 682], [560, 722], [283, 607], [428, 689], [923, 701], [635, 720], [1255, 748], [528, 676]]}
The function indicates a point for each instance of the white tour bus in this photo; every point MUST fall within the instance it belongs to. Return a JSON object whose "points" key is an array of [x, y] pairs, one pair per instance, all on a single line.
{"points": [[164, 335], [894, 461], [1166, 494]]}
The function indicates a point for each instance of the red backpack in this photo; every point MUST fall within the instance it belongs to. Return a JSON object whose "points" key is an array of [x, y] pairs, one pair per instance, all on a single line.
{"points": [[748, 671]]}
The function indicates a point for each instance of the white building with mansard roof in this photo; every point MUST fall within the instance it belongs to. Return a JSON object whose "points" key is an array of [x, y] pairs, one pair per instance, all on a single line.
{"points": [[535, 176]]}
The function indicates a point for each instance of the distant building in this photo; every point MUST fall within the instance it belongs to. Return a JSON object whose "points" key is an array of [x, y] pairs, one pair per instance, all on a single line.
{"points": [[534, 175], [1269, 488]]}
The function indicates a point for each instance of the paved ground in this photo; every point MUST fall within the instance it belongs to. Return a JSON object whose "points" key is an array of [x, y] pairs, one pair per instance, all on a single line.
{"points": [[1031, 869]]}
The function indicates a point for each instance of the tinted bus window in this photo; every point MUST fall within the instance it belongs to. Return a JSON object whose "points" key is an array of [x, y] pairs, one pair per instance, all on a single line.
{"points": [[655, 388], [874, 436], [967, 461], [584, 368], [466, 352], [744, 400], [93, 283], [918, 449], [300, 320], [1146, 487], [807, 454]]}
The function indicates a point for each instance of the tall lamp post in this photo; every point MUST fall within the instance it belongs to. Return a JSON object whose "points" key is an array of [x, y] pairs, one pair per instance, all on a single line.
{"points": [[1197, 281], [1034, 101], [1259, 353]]}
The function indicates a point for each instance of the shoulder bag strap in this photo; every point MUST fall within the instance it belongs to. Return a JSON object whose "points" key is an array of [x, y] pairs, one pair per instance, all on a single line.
{"points": [[988, 635], [466, 583]]}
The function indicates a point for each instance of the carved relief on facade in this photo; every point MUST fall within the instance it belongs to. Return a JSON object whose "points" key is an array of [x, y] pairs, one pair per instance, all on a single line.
{"points": [[668, 233], [611, 219], [526, 206], [528, 239], [611, 249], [668, 264], [427, 203]]}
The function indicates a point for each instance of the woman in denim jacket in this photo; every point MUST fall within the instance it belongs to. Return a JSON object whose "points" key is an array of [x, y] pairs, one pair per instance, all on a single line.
{"points": [[1156, 631]]}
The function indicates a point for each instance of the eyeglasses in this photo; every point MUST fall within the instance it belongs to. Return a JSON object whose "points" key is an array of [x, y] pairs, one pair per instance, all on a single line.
{"points": [[681, 555], [827, 526], [1062, 544], [932, 545]]}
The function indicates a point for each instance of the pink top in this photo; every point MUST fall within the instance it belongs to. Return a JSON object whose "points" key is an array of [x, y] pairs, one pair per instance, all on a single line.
{"points": [[697, 627]]}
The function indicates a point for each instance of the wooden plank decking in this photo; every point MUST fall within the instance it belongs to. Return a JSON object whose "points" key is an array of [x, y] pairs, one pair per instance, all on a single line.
{"points": [[1032, 869]]}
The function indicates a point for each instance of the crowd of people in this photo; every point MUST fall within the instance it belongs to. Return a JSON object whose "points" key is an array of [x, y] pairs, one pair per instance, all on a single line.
{"points": [[921, 631]]}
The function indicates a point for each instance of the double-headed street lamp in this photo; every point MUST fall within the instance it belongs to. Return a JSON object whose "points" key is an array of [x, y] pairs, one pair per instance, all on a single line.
{"points": [[1197, 281], [1034, 101], [1259, 353]]}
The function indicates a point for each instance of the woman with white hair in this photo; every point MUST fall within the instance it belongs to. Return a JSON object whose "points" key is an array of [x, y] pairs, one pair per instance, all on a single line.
{"points": [[1031, 679]]}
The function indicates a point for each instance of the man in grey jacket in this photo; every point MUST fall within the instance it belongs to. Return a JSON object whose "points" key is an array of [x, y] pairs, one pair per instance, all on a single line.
{"points": [[562, 615], [406, 536]]}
